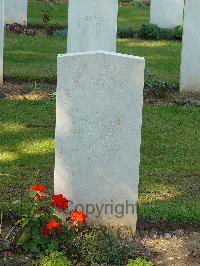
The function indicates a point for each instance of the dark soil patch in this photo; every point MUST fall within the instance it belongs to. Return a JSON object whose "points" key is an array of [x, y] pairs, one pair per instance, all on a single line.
{"points": [[40, 89]]}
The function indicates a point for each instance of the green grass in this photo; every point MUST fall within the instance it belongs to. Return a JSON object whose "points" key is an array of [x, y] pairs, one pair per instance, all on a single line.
{"points": [[169, 182], [34, 58], [128, 16]]}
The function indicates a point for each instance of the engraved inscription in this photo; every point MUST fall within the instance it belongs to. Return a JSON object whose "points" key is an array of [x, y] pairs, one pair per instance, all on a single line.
{"points": [[100, 25]]}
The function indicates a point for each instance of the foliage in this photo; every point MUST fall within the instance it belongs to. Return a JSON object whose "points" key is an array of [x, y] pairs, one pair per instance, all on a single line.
{"points": [[55, 259], [152, 31], [43, 231], [139, 262], [46, 14], [159, 89], [103, 245], [166, 34], [126, 33], [149, 31], [178, 32]]}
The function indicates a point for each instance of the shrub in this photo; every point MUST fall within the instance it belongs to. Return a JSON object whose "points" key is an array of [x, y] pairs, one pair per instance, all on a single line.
{"points": [[126, 33], [149, 31], [178, 33], [139, 262], [166, 34], [100, 245], [54, 259]]}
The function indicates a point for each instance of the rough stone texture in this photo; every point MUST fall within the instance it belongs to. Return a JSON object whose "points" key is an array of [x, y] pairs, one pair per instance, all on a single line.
{"points": [[167, 13], [98, 132], [190, 63], [92, 25], [1, 39], [16, 11]]}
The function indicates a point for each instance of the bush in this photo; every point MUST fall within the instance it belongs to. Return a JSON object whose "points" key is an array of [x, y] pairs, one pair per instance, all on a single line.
{"points": [[100, 245], [178, 32], [54, 259], [126, 33], [139, 262], [166, 34], [149, 31]]}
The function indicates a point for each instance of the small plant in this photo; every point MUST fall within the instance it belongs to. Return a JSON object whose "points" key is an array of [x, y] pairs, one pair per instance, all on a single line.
{"points": [[42, 230], [139, 262], [166, 34], [126, 33], [54, 259], [149, 31], [46, 15], [100, 245], [178, 32]]}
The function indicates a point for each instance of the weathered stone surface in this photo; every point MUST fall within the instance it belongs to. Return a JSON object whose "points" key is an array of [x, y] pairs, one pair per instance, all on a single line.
{"points": [[92, 25], [190, 63], [1, 39], [167, 13], [16, 11], [98, 133]]}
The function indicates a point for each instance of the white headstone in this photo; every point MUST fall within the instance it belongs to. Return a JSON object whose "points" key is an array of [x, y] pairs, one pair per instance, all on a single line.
{"points": [[167, 13], [190, 63], [92, 25], [16, 11], [1, 39], [98, 133]]}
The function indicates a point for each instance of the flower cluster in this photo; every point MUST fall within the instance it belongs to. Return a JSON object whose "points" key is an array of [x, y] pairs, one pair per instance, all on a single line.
{"points": [[61, 204]]}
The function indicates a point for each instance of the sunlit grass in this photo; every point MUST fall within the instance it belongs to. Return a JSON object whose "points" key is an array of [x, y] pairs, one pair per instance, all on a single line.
{"points": [[169, 175], [35, 58], [133, 16]]}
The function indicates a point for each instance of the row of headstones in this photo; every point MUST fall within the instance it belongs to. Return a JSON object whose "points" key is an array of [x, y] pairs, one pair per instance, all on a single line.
{"points": [[11, 11], [171, 13]]}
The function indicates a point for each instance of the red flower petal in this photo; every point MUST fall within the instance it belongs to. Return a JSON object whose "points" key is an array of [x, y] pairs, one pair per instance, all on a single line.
{"points": [[78, 216], [60, 202], [38, 188]]}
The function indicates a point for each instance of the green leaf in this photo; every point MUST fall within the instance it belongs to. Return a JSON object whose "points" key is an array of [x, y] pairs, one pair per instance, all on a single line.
{"points": [[23, 238]]}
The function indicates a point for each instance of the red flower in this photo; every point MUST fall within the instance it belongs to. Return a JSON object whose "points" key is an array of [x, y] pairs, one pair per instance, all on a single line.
{"points": [[40, 189], [78, 217], [60, 202], [50, 228]]}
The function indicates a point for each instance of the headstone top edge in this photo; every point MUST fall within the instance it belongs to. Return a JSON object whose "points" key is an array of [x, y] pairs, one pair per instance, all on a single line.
{"points": [[102, 52]]}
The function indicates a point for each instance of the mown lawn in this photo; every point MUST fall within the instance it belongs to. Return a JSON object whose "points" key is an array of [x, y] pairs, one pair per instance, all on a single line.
{"points": [[169, 182], [34, 58], [128, 16]]}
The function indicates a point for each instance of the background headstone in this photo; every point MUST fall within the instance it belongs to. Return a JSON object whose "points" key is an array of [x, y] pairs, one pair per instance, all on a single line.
{"points": [[167, 13], [1, 39], [16, 11], [92, 25], [98, 132], [190, 63]]}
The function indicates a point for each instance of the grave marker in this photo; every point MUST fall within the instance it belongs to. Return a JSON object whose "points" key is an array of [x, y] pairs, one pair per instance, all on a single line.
{"points": [[92, 25], [167, 13], [1, 39], [190, 63], [99, 118], [16, 11]]}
